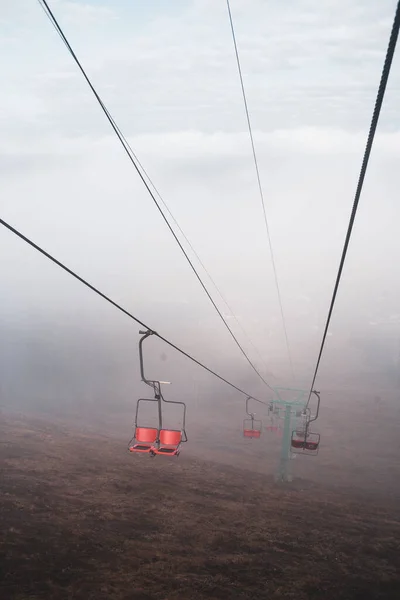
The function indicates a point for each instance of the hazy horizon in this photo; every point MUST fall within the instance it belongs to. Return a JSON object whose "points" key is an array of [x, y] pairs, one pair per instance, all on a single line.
{"points": [[168, 76]]}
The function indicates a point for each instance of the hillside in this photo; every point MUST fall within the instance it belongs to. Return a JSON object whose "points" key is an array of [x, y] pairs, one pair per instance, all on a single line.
{"points": [[82, 519]]}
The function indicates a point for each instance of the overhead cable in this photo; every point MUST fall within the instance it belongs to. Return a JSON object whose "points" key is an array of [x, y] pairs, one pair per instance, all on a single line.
{"points": [[134, 162], [260, 188], [116, 305], [371, 135], [158, 194]]}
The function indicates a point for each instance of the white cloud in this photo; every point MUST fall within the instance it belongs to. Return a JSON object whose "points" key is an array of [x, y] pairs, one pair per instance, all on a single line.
{"points": [[83, 14], [169, 77], [315, 65]]}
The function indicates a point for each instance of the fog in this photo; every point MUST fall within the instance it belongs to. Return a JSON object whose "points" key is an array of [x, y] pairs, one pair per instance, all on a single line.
{"points": [[168, 76]]}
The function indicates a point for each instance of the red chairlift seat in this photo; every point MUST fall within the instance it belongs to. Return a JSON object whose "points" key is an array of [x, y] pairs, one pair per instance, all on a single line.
{"points": [[145, 438], [252, 428], [252, 433], [311, 445], [273, 428], [297, 443], [169, 442], [305, 443]]}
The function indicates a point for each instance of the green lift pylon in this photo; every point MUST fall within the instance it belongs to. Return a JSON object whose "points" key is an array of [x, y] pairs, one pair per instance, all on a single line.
{"points": [[292, 406]]}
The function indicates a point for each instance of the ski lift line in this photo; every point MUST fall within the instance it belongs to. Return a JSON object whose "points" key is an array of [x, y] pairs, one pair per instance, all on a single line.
{"points": [[371, 135], [118, 306], [260, 190], [156, 191], [259, 401], [133, 161], [192, 247]]}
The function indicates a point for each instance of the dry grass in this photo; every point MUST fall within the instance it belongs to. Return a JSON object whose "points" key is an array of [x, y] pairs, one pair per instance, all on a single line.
{"points": [[82, 519]]}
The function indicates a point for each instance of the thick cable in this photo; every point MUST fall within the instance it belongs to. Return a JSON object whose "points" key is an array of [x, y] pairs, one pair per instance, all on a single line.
{"points": [[116, 305], [260, 188], [116, 129], [371, 135]]}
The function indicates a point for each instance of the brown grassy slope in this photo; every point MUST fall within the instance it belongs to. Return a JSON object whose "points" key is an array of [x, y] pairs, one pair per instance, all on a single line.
{"points": [[82, 519]]}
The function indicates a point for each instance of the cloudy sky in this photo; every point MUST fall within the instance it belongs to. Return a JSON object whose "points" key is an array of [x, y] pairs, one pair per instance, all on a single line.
{"points": [[167, 73]]}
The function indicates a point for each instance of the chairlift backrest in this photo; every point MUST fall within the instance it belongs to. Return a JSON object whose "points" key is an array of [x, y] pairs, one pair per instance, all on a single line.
{"points": [[170, 437], [297, 443], [146, 434], [311, 445]]}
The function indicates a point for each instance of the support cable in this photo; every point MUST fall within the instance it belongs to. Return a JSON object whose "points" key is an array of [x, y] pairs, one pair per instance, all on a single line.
{"points": [[116, 305], [117, 131], [260, 190], [371, 135], [157, 193]]}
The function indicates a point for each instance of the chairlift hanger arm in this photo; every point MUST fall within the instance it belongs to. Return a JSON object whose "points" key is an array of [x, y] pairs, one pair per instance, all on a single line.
{"points": [[250, 414], [318, 394], [152, 383], [156, 385], [310, 419]]}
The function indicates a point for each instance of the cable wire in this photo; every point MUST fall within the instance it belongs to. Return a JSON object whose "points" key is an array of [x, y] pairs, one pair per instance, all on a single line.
{"points": [[157, 193], [118, 306], [371, 135], [131, 157], [260, 189]]}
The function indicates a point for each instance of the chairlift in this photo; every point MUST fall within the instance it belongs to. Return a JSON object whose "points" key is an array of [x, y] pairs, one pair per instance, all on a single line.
{"points": [[156, 440], [303, 440], [252, 427]]}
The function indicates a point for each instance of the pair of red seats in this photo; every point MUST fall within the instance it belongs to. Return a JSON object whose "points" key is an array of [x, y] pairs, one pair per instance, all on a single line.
{"points": [[310, 442], [252, 433], [301, 444], [154, 441]]}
